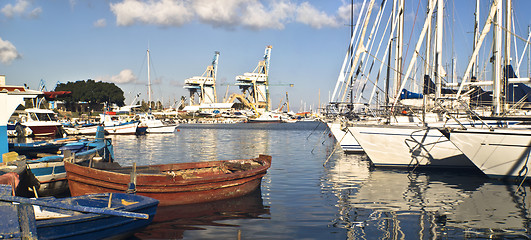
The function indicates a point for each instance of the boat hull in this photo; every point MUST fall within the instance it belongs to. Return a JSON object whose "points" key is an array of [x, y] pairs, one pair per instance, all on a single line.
{"points": [[50, 171], [346, 140], [501, 153], [162, 129], [167, 188], [98, 226], [264, 121], [44, 130], [122, 129], [408, 146]]}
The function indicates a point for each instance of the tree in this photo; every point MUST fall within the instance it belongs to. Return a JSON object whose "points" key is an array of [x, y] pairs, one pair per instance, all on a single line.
{"points": [[92, 92]]}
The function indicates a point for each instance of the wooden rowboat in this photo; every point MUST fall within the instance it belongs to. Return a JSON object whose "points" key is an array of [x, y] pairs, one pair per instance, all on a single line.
{"points": [[173, 184]]}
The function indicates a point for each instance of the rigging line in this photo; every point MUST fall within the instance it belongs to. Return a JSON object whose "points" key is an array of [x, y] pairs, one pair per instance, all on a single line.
{"points": [[514, 39], [319, 124], [510, 32], [359, 47], [385, 65], [341, 77], [522, 170], [375, 28], [385, 54], [324, 133], [335, 147], [411, 34]]}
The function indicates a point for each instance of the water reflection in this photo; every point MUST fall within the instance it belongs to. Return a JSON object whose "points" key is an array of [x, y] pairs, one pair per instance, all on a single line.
{"points": [[494, 210], [171, 222], [393, 204], [190, 145]]}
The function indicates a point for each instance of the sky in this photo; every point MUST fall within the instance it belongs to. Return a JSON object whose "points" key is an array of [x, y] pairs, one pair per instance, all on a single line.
{"points": [[61, 41]]}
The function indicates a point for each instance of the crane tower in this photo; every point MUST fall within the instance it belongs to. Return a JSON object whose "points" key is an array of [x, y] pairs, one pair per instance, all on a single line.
{"points": [[203, 88], [255, 85]]}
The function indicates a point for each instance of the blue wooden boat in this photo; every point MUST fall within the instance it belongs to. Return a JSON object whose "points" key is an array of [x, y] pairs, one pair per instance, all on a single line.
{"points": [[36, 148], [98, 216], [50, 171]]}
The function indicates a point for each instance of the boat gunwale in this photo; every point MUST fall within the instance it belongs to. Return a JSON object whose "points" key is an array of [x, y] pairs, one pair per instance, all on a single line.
{"points": [[167, 180]]}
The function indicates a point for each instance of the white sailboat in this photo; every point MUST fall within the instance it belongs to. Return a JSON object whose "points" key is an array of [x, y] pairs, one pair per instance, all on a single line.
{"points": [[346, 140], [503, 152], [409, 141], [153, 124], [408, 146], [499, 153]]}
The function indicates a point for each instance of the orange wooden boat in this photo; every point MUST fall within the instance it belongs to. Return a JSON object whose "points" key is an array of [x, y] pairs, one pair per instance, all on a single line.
{"points": [[172, 184]]}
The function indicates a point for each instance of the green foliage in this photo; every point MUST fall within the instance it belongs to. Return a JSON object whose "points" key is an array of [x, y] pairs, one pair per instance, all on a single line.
{"points": [[92, 92]]}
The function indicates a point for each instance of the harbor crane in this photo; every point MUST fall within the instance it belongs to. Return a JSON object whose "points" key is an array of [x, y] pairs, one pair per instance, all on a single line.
{"points": [[204, 86], [255, 85]]}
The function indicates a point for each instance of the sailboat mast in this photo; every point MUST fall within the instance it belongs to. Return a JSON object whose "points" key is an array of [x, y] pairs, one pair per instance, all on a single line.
{"points": [[476, 37], [506, 65], [496, 101], [438, 52], [149, 81], [351, 51], [398, 47]]}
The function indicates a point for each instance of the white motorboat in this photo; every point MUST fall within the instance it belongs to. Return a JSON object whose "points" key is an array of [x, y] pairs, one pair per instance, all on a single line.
{"points": [[42, 122], [266, 117], [155, 125], [115, 124]]}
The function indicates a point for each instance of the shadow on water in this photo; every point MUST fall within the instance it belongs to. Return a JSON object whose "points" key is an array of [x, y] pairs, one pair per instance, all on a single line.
{"points": [[171, 222], [397, 204]]}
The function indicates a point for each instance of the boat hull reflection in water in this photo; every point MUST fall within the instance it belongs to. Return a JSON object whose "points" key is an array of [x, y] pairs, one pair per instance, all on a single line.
{"points": [[171, 222], [426, 205]]}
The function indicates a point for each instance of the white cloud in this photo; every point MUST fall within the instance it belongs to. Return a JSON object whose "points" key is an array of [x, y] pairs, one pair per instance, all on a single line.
{"points": [[163, 12], [35, 13], [308, 14], [343, 13], [217, 12], [8, 52], [21, 8], [254, 14], [100, 23], [258, 16], [125, 76]]}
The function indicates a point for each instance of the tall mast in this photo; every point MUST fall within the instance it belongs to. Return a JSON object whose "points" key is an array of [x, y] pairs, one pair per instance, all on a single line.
{"points": [[505, 80], [398, 47], [149, 81], [497, 78], [417, 48], [360, 46], [427, 63], [351, 50], [476, 37], [438, 52]]}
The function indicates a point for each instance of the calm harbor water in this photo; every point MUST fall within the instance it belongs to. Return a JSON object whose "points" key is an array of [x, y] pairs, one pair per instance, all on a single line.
{"points": [[345, 199]]}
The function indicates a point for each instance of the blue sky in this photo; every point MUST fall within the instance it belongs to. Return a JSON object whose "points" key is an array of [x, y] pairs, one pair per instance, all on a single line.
{"points": [[61, 41]]}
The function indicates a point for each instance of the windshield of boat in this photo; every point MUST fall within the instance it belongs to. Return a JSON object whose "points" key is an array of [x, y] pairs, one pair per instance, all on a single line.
{"points": [[43, 117]]}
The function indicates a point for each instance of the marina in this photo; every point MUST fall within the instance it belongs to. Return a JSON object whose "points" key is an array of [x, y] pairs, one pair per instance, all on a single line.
{"points": [[408, 145]]}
